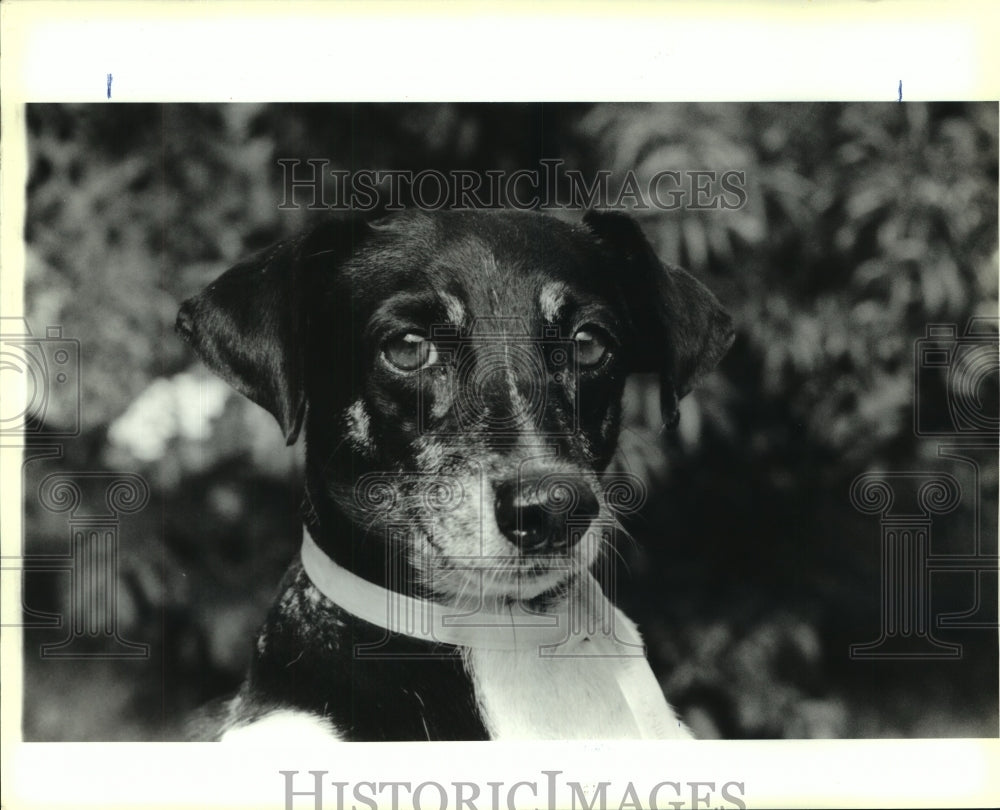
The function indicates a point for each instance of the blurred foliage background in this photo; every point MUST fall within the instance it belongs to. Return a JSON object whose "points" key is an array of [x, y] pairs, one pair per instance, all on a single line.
{"points": [[751, 573]]}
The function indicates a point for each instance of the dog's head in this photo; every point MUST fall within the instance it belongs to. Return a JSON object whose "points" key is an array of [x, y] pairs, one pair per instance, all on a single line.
{"points": [[460, 377]]}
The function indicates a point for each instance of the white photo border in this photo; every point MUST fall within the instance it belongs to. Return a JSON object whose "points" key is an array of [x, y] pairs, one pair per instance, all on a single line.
{"points": [[378, 51]]}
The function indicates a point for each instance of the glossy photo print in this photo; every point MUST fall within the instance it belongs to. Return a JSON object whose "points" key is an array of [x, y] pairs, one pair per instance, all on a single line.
{"points": [[508, 421]]}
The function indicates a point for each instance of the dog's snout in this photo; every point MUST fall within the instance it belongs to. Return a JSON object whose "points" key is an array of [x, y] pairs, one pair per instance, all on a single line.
{"points": [[545, 514]]}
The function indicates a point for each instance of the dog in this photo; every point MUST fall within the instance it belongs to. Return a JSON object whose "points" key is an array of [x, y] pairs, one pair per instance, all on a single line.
{"points": [[458, 377]]}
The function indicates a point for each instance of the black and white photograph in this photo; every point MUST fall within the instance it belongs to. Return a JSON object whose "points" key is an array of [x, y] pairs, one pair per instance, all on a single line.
{"points": [[505, 421]]}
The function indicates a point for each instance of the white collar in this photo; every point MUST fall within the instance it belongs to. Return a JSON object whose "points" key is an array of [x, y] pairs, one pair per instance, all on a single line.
{"points": [[585, 608], [585, 613]]}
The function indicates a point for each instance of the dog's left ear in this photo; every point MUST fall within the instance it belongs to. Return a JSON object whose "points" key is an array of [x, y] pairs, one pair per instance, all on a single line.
{"points": [[681, 329], [248, 325]]}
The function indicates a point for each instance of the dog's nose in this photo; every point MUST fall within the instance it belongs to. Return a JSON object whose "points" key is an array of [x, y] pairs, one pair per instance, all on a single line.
{"points": [[545, 514]]}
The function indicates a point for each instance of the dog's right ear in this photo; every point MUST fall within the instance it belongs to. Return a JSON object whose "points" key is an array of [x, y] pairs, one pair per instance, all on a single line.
{"points": [[248, 325], [681, 329]]}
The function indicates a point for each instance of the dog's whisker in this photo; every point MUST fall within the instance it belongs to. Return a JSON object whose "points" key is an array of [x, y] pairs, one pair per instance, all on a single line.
{"points": [[615, 552]]}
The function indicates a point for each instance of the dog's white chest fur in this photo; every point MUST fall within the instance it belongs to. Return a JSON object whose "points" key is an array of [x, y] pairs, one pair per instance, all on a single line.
{"points": [[601, 689]]}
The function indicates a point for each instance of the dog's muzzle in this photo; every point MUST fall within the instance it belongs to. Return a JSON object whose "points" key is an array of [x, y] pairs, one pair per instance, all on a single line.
{"points": [[545, 514]]}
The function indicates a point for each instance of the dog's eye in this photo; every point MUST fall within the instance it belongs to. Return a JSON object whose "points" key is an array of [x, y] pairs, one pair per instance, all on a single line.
{"points": [[409, 352], [591, 346]]}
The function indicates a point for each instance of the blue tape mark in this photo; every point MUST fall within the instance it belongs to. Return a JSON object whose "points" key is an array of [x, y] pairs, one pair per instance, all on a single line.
{"points": [[900, 90], [109, 85]]}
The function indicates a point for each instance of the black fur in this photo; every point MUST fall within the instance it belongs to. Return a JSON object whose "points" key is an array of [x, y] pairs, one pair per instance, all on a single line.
{"points": [[403, 689]]}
